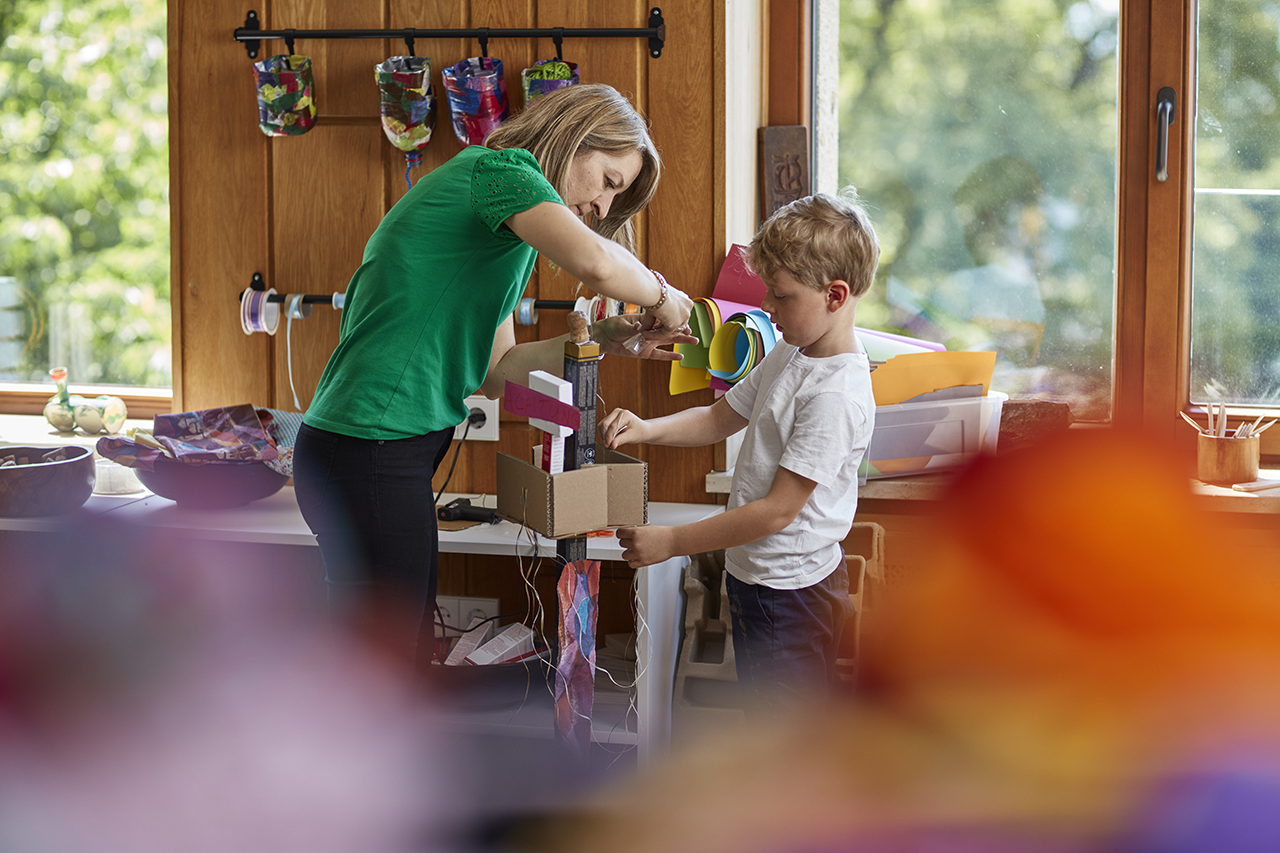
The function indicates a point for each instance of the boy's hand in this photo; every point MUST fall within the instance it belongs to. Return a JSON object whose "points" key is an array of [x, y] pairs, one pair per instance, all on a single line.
{"points": [[644, 546], [622, 426]]}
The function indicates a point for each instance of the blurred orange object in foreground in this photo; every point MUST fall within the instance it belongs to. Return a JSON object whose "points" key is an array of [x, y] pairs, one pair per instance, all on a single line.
{"points": [[1088, 663]]}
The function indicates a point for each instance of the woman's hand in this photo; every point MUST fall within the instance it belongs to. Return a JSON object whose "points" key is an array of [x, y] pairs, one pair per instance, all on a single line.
{"points": [[613, 333], [622, 426]]}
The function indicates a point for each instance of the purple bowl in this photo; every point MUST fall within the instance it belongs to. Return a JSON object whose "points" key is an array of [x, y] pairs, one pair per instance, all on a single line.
{"points": [[217, 485], [45, 488]]}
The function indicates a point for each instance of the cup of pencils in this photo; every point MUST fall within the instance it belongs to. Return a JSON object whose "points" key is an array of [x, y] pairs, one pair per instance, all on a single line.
{"points": [[1227, 456]]}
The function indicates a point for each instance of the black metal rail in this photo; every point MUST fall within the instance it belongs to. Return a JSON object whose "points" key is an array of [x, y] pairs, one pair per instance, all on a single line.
{"points": [[259, 283], [656, 32]]}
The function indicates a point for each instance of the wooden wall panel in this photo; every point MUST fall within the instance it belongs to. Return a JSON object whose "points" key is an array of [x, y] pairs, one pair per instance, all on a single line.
{"points": [[299, 209], [327, 200], [442, 53], [219, 209], [621, 63], [342, 68], [681, 238]]}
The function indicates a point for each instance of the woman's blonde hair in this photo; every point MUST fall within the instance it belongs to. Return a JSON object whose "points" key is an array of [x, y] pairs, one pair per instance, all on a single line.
{"points": [[587, 117], [819, 239]]}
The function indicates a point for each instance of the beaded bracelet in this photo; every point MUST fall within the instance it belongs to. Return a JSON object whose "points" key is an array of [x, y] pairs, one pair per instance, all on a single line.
{"points": [[662, 282]]}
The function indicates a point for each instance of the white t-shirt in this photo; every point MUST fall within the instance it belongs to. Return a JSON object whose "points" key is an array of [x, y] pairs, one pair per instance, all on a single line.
{"points": [[812, 416]]}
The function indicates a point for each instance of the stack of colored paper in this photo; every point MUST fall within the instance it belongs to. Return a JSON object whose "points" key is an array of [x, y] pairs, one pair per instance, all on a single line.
{"points": [[734, 334]]}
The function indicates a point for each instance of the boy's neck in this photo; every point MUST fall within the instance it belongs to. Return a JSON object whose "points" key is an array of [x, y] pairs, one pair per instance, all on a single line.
{"points": [[839, 339]]}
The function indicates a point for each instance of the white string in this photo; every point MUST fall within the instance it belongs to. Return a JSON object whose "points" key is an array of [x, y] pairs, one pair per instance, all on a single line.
{"points": [[294, 302], [534, 607]]}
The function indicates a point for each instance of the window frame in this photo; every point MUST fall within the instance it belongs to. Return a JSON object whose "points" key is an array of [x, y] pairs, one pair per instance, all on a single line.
{"points": [[19, 398], [1152, 343]]}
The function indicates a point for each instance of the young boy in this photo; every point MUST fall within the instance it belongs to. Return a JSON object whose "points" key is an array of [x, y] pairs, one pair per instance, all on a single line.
{"points": [[808, 411]]}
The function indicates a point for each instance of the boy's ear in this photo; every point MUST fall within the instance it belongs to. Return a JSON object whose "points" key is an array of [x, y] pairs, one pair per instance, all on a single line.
{"points": [[838, 293]]}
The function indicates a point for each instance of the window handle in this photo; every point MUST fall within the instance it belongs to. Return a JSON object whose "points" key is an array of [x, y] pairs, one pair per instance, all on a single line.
{"points": [[1166, 114]]}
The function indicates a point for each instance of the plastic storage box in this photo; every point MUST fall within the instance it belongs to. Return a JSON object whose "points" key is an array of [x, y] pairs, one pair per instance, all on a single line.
{"points": [[912, 438]]}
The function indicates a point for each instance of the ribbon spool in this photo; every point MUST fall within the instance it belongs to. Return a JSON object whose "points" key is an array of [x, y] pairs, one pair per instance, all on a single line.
{"points": [[257, 314], [527, 313]]}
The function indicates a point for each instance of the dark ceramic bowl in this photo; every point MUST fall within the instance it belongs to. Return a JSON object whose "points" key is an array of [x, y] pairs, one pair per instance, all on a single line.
{"points": [[215, 486], [45, 488], [500, 685]]}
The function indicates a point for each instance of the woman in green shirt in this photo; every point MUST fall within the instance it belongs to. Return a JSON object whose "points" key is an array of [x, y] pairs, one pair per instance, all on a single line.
{"points": [[428, 322]]}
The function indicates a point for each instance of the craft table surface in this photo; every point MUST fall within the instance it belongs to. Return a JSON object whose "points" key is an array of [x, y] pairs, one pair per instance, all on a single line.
{"points": [[276, 520]]}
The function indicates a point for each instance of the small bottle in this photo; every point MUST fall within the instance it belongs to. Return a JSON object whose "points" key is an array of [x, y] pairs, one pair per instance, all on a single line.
{"points": [[60, 410]]}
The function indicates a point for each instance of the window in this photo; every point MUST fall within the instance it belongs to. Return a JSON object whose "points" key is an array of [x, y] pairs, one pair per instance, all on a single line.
{"points": [[84, 221], [1235, 293], [983, 135], [1007, 151]]}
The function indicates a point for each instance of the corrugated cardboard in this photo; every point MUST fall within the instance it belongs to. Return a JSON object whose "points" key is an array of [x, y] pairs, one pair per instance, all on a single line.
{"points": [[612, 493], [628, 487]]}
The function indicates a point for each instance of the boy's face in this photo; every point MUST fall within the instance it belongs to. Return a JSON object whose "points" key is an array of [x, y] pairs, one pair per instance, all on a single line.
{"points": [[799, 311]]}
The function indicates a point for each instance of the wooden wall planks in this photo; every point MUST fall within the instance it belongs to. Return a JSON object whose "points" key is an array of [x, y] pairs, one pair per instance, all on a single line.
{"points": [[299, 209], [219, 164]]}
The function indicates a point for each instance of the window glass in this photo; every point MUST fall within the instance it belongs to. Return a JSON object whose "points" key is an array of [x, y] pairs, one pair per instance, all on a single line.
{"points": [[982, 135], [84, 189], [1235, 293]]}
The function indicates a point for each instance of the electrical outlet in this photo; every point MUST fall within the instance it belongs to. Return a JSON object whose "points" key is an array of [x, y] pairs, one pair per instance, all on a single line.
{"points": [[448, 607], [459, 612], [470, 608], [488, 431]]}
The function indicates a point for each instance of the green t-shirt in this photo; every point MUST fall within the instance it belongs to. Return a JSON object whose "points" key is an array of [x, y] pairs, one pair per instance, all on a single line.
{"points": [[439, 275]]}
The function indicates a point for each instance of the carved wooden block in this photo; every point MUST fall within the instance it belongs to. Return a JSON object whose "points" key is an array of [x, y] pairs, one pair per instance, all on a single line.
{"points": [[784, 166]]}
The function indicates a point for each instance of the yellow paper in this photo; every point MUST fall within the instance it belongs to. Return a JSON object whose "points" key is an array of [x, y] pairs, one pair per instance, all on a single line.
{"points": [[724, 347], [904, 376], [688, 379]]}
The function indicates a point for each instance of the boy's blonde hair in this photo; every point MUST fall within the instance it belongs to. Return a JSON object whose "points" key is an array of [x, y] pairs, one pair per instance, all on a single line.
{"points": [[587, 117], [818, 239]]}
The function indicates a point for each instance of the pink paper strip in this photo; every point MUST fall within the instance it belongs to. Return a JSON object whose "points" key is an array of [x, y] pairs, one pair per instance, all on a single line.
{"points": [[527, 403]]}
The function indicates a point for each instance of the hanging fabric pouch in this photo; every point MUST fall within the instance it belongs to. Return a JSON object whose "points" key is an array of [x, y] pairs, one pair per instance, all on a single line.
{"points": [[546, 76], [286, 103], [477, 97], [408, 103]]}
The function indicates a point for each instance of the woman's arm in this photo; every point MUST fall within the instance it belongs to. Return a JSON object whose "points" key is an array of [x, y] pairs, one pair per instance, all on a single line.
{"points": [[509, 360], [751, 522], [601, 265]]}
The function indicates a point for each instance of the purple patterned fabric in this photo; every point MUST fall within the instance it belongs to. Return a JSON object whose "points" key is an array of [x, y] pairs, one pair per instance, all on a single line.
{"points": [[578, 592], [207, 436]]}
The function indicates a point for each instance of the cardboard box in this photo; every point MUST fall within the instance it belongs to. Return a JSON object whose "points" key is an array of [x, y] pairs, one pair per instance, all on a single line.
{"points": [[612, 493], [911, 438]]}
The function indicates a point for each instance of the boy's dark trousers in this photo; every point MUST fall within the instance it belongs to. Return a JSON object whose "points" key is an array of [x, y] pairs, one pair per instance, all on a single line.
{"points": [[785, 641]]}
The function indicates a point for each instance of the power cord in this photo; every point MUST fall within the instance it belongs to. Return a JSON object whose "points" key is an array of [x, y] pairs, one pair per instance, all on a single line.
{"points": [[475, 418]]}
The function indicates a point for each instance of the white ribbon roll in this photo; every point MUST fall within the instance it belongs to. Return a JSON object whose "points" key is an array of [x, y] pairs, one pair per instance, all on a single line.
{"points": [[295, 308]]}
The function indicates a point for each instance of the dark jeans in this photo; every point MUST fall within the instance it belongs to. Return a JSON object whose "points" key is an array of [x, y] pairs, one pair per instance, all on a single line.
{"points": [[785, 641], [371, 507]]}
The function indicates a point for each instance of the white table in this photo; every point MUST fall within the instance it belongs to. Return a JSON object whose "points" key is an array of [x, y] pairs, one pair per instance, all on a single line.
{"points": [[276, 520]]}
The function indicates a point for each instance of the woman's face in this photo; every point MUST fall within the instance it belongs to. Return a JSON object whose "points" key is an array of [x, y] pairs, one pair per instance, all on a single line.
{"points": [[596, 178]]}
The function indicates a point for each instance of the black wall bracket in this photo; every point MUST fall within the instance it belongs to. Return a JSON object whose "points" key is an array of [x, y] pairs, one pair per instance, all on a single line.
{"points": [[252, 35]]}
